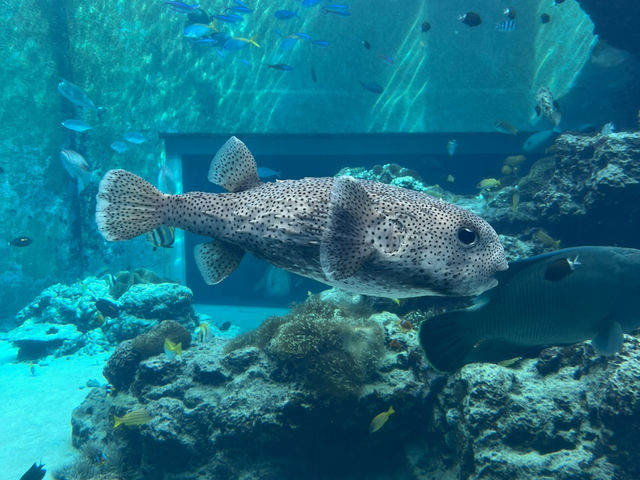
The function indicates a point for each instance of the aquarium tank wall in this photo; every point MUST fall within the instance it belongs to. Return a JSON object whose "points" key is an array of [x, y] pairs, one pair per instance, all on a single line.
{"points": [[431, 270]]}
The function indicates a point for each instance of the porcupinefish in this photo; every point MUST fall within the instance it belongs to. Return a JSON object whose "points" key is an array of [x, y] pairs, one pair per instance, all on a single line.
{"points": [[547, 106], [559, 298], [361, 236]]}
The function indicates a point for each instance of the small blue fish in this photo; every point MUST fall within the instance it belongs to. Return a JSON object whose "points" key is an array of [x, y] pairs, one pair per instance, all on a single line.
{"points": [[320, 43], [239, 9], [135, 137], [452, 145], [241, 3], [76, 95], [229, 18], [302, 36], [286, 14], [119, 146], [506, 26], [280, 66], [339, 12], [76, 125], [196, 31], [372, 87], [181, 7], [310, 3]]}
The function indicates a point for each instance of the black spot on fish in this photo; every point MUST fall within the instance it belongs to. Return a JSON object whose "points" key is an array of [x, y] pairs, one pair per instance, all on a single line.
{"points": [[558, 269], [107, 307], [366, 44], [472, 19], [20, 242], [225, 326], [558, 2], [426, 26], [545, 18], [52, 331]]}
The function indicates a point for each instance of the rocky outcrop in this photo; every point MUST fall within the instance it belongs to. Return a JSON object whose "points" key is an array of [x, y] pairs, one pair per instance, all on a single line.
{"points": [[591, 193], [85, 315], [35, 340], [573, 420], [615, 22], [258, 408]]}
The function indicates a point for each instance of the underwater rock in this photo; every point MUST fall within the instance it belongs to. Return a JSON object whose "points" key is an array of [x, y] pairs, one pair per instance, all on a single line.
{"points": [[159, 301], [67, 304], [607, 24], [573, 422], [594, 182], [36, 340], [123, 363], [152, 342], [258, 408], [123, 280]]}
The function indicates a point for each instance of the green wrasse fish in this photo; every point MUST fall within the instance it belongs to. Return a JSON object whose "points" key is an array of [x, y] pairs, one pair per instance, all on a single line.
{"points": [[361, 236], [558, 298]]}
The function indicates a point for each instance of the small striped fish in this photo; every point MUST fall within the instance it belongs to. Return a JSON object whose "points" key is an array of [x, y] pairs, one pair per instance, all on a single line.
{"points": [[506, 26]]}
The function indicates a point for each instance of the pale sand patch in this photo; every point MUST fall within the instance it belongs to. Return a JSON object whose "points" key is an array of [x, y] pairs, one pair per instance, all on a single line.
{"points": [[35, 410]]}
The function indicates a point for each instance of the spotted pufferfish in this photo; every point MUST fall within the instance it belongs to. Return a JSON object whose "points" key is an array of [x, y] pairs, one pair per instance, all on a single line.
{"points": [[361, 236]]}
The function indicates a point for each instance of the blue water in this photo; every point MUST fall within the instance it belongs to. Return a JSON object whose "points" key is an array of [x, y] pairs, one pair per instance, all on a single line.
{"points": [[362, 88]]}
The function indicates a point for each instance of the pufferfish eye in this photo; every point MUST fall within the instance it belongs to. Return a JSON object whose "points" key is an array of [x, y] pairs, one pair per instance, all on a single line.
{"points": [[467, 236]]}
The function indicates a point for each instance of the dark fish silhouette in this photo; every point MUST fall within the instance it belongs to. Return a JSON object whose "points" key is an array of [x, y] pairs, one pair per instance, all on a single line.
{"points": [[559, 298], [36, 472], [470, 18], [373, 87]]}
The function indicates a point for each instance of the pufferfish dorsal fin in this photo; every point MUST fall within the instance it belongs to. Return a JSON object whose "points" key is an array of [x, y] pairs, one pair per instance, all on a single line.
{"points": [[233, 167], [343, 247], [216, 260]]}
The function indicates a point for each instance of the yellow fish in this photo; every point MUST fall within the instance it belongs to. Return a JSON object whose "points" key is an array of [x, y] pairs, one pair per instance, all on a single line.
{"points": [[251, 40], [488, 183], [380, 419], [172, 350], [204, 332], [515, 200], [136, 417], [547, 240]]}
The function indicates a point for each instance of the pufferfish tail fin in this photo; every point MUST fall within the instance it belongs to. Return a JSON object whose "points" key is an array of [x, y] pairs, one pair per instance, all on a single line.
{"points": [[127, 206], [233, 167]]}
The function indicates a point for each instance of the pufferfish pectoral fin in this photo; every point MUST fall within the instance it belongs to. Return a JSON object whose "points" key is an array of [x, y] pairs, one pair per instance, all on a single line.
{"points": [[233, 167], [216, 260], [343, 247]]}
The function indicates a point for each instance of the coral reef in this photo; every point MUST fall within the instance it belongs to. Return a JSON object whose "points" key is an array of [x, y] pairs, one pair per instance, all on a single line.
{"points": [[122, 364], [259, 408], [274, 404]]}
